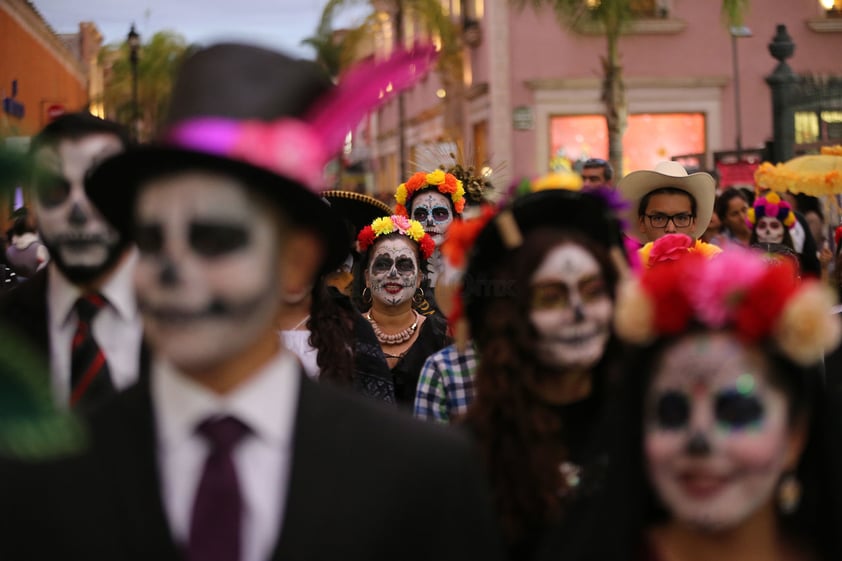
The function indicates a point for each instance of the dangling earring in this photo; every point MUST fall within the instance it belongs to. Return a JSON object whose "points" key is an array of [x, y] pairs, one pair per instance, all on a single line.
{"points": [[366, 295], [418, 297], [789, 493]]}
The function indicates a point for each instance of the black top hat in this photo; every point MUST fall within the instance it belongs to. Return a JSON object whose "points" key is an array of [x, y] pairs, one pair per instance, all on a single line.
{"points": [[587, 213], [221, 88]]}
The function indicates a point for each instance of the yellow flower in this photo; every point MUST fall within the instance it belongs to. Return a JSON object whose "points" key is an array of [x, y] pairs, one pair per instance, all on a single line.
{"points": [[773, 198], [400, 194], [435, 178], [415, 230], [382, 226], [707, 249], [750, 216], [460, 191]]}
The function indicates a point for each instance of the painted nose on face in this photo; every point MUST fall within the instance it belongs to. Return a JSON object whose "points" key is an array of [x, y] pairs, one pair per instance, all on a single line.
{"points": [[168, 276], [393, 272], [698, 444], [77, 216]]}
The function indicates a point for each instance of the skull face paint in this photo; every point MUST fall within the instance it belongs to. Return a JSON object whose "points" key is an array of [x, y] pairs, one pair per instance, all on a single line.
{"points": [[393, 273], [716, 431], [770, 230], [571, 308], [81, 242], [207, 280], [432, 209]]}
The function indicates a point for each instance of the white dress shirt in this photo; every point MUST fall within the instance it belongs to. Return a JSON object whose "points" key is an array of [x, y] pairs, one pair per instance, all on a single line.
{"points": [[117, 327], [267, 404], [298, 342]]}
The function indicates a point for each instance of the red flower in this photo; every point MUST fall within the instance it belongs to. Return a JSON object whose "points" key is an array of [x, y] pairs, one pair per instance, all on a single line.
{"points": [[365, 238], [400, 210], [666, 285], [755, 316], [427, 246]]}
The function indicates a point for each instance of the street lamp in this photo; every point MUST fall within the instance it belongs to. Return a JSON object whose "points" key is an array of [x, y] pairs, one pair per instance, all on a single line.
{"points": [[134, 46], [736, 33]]}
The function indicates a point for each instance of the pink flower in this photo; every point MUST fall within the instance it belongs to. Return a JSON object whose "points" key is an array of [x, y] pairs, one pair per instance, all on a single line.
{"points": [[670, 247], [402, 222], [719, 285]]}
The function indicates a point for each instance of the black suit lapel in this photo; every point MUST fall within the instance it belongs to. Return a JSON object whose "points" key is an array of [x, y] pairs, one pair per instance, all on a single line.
{"points": [[125, 443], [310, 474]]}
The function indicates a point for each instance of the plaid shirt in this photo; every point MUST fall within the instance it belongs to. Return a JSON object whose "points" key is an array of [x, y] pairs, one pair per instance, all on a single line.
{"points": [[446, 384]]}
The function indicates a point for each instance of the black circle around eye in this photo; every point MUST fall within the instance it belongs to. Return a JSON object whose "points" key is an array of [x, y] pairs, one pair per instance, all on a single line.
{"points": [[736, 410], [672, 410], [441, 214], [420, 214]]}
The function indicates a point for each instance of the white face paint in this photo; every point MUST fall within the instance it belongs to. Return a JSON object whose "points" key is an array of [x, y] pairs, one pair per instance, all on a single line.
{"points": [[770, 230], [432, 209], [208, 276], [716, 431], [82, 243], [393, 274], [571, 308]]}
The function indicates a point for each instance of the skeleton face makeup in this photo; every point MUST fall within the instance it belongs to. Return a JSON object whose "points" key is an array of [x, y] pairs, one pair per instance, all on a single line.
{"points": [[716, 433], [81, 243], [571, 308], [208, 280], [770, 230], [432, 209], [393, 274]]}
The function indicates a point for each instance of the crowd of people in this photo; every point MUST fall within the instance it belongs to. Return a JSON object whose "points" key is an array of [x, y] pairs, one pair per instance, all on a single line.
{"points": [[240, 365]]}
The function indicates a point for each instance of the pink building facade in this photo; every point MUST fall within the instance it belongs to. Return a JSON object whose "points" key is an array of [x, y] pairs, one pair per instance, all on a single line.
{"points": [[531, 88]]}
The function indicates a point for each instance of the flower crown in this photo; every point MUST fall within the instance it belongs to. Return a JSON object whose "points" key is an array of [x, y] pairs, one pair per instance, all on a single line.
{"points": [[446, 183], [737, 290], [402, 225], [772, 206]]}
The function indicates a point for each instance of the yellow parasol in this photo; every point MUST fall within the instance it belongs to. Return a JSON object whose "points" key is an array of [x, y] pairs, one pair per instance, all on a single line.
{"points": [[815, 175]]}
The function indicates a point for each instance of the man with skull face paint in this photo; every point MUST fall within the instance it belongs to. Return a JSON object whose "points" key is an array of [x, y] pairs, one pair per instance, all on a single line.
{"points": [[89, 257], [229, 451], [728, 452]]}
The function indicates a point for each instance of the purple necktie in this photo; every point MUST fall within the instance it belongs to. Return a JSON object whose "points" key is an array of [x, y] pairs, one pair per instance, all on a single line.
{"points": [[217, 510]]}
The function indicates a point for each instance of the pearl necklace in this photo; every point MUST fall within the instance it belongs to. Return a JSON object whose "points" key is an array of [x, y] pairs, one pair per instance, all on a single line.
{"points": [[393, 338]]}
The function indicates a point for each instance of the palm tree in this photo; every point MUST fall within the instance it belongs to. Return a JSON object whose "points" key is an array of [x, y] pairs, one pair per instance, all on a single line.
{"points": [[614, 16], [159, 58], [433, 21], [326, 44]]}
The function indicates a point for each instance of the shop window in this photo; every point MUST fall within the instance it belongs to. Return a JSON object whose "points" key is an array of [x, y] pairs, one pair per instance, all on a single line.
{"points": [[649, 138]]}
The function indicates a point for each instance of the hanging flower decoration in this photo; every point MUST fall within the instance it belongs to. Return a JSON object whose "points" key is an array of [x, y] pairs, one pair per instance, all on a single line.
{"points": [[772, 206], [445, 183], [738, 290], [673, 246], [402, 225]]}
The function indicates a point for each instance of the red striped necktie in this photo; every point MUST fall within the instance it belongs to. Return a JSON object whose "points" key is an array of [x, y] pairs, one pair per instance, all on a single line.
{"points": [[90, 380]]}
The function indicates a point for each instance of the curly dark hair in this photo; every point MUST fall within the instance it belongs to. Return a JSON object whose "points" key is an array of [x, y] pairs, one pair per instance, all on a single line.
{"points": [[518, 432], [331, 326]]}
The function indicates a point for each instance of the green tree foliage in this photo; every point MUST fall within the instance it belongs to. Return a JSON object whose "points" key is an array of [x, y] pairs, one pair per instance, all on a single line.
{"points": [[158, 61]]}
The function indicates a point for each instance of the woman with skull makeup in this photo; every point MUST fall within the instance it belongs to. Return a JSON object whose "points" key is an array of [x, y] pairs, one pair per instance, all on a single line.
{"points": [[434, 200], [726, 440], [395, 250], [539, 297]]}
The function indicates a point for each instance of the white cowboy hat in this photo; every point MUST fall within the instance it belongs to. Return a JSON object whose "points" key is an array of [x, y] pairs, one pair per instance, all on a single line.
{"points": [[636, 185]]}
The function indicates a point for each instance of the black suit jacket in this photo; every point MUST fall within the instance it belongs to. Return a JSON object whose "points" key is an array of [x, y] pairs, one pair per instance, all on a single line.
{"points": [[24, 310], [367, 483]]}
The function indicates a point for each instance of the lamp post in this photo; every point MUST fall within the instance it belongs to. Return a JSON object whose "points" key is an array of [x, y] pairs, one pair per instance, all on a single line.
{"points": [[134, 46], [736, 33]]}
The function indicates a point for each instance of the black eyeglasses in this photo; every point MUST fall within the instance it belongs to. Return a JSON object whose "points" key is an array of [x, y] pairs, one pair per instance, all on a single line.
{"points": [[661, 220]]}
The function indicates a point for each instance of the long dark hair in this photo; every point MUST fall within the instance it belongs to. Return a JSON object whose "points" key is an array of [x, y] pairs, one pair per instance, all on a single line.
{"points": [[631, 503], [518, 432], [331, 326], [361, 265]]}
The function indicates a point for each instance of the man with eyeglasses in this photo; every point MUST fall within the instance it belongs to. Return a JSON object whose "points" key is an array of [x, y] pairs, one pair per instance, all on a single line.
{"points": [[596, 171], [79, 312], [667, 200]]}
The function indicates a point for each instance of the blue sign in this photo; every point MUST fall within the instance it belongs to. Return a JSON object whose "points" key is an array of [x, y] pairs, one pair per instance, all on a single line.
{"points": [[13, 107]]}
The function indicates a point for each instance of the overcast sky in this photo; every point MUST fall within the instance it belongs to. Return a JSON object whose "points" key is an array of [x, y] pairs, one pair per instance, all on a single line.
{"points": [[277, 23]]}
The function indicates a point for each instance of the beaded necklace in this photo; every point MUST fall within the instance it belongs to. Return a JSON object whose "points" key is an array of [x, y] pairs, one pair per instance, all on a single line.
{"points": [[393, 338]]}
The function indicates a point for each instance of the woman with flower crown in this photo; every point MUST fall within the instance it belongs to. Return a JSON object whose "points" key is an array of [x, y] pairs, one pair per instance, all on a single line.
{"points": [[434, 200], [725, 431], [395, 250]]}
